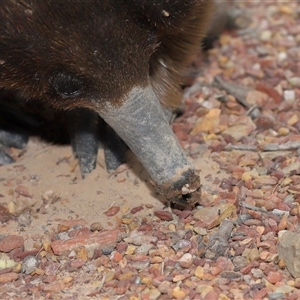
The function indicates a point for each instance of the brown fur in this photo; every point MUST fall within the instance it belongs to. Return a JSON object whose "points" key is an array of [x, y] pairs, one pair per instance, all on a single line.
{"points": [[83, 53]]}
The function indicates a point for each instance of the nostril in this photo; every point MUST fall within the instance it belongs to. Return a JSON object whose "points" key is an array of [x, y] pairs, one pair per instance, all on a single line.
{"points": [[67, 85]]}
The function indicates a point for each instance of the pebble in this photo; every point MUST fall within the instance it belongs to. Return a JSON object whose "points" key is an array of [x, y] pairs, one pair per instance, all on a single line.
{"points": [[276, 296], [186, 260], [116, 256], [295, 81], [238, 131], [24, 219], [266, 35], [199, 272], [289, 95], [177, 293], [53, 287], [29, 264], [8, 277], [282, 56], [163, 215], [204, 289], [212, 295], [257, 273], [112, 211], [231, 275], [274, 277], [72, 254], [77, 263], [216, 270], [136, 209], [52, 278], [180, 277], [11, 242], [253, 255], [105, 241], [153, 294], [239, 262], [130, 250], [142, 239], [297, 283], [23, 191], [144, 249], [96, 226], [122, 247], [164, 287], [261, 293], [146, 280], [200, 230], [285, 289], [140, 265]]}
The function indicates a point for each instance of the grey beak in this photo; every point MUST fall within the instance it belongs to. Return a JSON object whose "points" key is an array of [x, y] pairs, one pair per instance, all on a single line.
{"points": [[141, 123]]}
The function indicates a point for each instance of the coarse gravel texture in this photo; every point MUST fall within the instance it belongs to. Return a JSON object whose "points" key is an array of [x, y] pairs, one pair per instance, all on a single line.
{"points": [[114, 237]]}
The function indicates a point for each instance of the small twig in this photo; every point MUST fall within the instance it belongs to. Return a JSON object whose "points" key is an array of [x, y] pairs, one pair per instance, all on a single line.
{"points": [[252, 207], [122, 168], [253, 112], [288, 146], [70, 238], [103, 212], [241, 147], [101, 283], [162, 268], [39, 251], [276, 186], [280, 212], [239, 92]]}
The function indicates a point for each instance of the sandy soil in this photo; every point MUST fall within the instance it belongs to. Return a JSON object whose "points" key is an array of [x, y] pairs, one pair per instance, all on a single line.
{"points": [[45, 168]]}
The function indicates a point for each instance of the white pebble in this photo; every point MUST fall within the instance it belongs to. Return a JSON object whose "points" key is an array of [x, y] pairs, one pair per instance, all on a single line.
{"points": [[289, 95]]}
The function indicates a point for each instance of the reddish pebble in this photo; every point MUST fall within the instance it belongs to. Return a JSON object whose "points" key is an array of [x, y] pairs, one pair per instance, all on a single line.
{"points": [[262, 293], [270, 91], [104, 240], [163, 215], [23, 191], [77, 263], [212, 295], [11, 242], [274, 277], [136, 209], [149, 206], [53, 287], [50, 279], [182, 214], [8, 277], [117, 257], [216, 270], [145, 227], [246, 270], [122, 287], [112, 211], [22, 255], [121, 247], [120, 180]]}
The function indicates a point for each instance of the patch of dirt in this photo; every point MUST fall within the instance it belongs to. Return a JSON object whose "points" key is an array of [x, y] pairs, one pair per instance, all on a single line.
{"points": [[46, 169]]}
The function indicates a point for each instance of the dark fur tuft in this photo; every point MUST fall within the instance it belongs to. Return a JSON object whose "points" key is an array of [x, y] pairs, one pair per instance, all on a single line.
{"points": [[86, 52]]}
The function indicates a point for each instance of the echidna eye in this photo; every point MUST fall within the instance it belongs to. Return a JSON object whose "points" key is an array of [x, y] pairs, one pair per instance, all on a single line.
{"points": [[67, 85]]}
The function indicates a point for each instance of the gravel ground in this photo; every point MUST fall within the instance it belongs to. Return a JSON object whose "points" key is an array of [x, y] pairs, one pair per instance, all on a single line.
{"points": [[240, 125]]}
